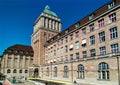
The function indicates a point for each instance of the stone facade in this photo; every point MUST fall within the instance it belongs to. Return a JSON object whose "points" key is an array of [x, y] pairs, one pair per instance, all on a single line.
{"points": [[86, 53], [16, 61]]}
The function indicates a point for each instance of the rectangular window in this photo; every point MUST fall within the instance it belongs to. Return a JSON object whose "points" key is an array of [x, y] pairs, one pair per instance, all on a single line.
{"points": [[101, 23], [84, 53], [83, 31], [102, 36], [71, 37], [77, 44], [92, 52], [92, 40], [77, 34], [77, 56], [102, 50], [113, 33], [112, 17], [71, 56], [114, 48], [91, 27], [61, 41], [66, 39], [66, 48]]}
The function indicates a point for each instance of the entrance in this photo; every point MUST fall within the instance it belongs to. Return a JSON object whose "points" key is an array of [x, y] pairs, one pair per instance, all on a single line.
{"points": [[36, 73]]}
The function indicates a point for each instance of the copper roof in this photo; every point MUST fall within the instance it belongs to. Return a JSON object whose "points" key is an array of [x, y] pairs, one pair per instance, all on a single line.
{"points": [[19, 49]]}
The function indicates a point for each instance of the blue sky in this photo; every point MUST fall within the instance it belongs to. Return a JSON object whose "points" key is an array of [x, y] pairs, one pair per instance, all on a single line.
{"points": [[18, 16]]}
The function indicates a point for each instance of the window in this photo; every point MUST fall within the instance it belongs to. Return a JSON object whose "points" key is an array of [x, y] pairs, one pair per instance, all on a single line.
{"points": [[66, 58], [113, 33], [8, 71], [20, 71], [71, 56], [101, 23], [112, 17], [103, 71], [54, 52], [77, 34], [114, 48], [15, 62], [66, 70], [83, 31], [80, 71], [71, 47], [21, 57], [91, 27], [102, 50], [9, 62], [61, 41], [84, 54], [92, 52], [47, 72], [66, 48], [102, 36], [71, 37], [77, 44], [84, 43], [26, 71], [55, 71], [14, 71], [77, 56], [66, 39], [92, 40]]}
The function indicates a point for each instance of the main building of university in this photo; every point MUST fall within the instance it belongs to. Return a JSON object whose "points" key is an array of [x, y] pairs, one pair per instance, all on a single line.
{"points": [[87, 52]]}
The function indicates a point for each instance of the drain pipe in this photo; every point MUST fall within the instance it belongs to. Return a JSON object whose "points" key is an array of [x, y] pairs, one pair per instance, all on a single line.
{"points": [[118, 70]]}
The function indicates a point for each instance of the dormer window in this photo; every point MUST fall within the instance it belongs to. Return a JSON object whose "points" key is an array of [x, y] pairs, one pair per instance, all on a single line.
{"points": [[52, 40], [66, 31], [91, 16], [9, 51], [77, 25], [111, 5], [58, 36]]}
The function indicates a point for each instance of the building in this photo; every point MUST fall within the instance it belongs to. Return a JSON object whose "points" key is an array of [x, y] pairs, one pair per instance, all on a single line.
{"points": [[88, 52], [16, 61]]}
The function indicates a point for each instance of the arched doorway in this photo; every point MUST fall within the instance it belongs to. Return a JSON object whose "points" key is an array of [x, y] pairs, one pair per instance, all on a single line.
{"points": [[36, 73]]}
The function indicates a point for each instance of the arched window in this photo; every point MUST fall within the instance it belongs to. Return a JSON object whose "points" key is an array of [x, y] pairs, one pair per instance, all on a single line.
{"points": [[48, 71], [8, 71], [55, 71], [26, 71], [66, 70], [103, 71], [20, 71], [14, 71], [80, 71]]}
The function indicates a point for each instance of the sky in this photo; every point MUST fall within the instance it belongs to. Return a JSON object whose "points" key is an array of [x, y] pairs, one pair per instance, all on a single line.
{"points": [[18, 16]]}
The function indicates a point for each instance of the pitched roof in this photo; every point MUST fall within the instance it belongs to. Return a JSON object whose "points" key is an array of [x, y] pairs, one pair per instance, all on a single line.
{"points": [[86, 19], [19, 49]]}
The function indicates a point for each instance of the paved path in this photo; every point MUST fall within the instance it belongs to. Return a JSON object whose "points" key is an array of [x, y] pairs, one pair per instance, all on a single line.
{"points": [[26, 83]]}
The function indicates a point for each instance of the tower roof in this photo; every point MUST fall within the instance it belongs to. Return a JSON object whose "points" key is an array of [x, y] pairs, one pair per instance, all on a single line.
{"points": [[48, 11]]}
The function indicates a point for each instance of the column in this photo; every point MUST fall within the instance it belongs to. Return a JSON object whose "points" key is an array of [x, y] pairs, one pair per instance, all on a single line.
{"points": [[23, 64], [59, 26], [53, 22], [56, 26], [18, 61], [49, 24], [42, 21]]}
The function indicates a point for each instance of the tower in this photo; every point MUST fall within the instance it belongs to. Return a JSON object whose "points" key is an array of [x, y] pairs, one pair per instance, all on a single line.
{"points": [[47, 25]]}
